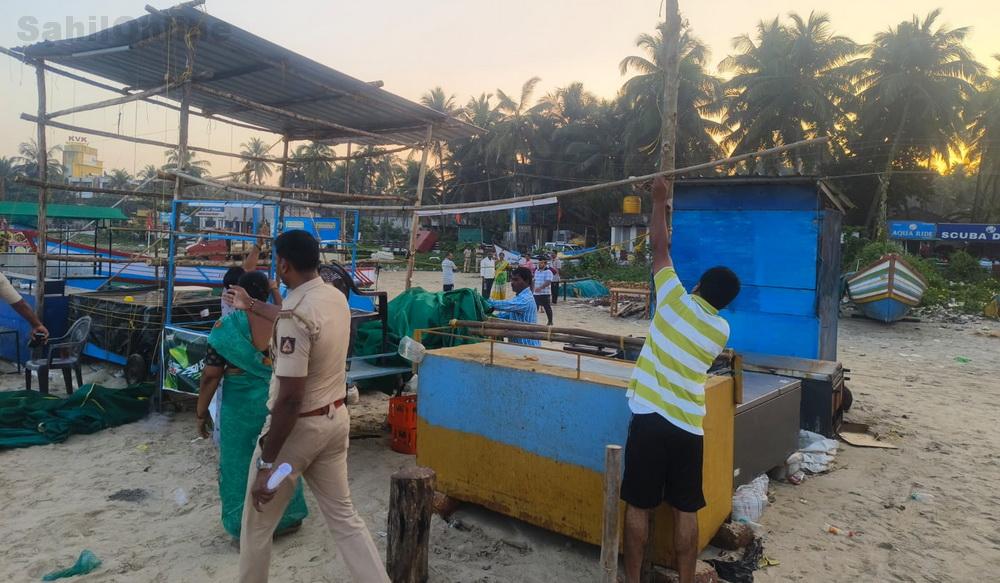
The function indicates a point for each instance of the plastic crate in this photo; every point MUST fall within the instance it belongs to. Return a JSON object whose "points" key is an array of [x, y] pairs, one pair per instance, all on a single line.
{"points": [[404, 440], [403, 423], [403, 411]]}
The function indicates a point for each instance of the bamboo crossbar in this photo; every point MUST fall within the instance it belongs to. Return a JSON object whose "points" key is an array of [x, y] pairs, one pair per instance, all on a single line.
{"points": [[94, 189], [496, 323]]}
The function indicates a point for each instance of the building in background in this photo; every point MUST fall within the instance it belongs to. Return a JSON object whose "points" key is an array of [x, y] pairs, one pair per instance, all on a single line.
{"points": [[82, 165]]}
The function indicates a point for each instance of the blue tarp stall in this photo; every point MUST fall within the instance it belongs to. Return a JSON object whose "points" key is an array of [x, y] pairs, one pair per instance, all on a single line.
{"points": [[782, 238]]}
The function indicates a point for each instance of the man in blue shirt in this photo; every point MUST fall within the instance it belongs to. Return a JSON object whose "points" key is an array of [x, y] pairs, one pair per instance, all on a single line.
{"points": [[522, 308]]}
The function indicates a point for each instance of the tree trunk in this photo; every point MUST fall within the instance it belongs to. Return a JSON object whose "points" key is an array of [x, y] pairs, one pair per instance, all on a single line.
{"points": [[411, 506], [881, 200]]}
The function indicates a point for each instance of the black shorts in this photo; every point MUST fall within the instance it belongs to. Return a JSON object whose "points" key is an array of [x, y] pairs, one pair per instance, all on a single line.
{"points": [[663, 463]]}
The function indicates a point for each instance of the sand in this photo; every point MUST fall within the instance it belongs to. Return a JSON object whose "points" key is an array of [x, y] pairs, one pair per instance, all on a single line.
{"points": [[143, 496]]}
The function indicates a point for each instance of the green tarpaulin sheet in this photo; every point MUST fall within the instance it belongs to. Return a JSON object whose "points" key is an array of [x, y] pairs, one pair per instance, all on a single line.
{"points": [[31, 418], [417, 309], [584, 288]]}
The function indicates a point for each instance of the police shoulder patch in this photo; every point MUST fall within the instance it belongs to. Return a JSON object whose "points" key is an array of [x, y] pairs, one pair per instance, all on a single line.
{"points": [[287, 345]]}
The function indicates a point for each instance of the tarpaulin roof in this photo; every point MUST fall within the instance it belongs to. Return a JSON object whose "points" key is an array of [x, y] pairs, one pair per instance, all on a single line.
{"points": [[143, 52], [61, 211]]}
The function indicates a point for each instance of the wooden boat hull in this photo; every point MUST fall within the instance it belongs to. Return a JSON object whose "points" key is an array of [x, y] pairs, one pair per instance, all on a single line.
{"points": [[887, 289]]}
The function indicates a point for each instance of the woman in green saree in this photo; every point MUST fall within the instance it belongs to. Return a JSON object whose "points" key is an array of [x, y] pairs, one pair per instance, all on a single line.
{"points": [[500, 279], [238, 351]]}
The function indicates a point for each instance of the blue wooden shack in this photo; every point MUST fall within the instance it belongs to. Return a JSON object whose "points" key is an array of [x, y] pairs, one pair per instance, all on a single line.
{"points": [[782, 238]]}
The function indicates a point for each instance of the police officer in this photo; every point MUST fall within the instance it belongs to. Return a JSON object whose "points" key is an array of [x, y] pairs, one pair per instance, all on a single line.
{"points": [[308, 426]]}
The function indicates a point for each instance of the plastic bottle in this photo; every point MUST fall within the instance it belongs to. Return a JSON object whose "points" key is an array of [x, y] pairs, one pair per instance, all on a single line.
{"points": [[921, 497], [840, 531], [411, 350]]}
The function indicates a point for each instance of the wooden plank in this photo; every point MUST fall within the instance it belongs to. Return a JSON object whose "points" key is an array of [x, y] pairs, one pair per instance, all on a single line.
{"points": [[411, 506], [611, 529]]}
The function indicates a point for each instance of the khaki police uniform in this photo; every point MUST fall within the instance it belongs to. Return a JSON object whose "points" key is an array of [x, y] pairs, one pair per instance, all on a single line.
{"points": [[311, 338], [8, 294]]}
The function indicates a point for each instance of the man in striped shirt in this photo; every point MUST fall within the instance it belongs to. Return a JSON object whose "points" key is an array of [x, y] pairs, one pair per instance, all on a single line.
{"points": [[663, 453]]}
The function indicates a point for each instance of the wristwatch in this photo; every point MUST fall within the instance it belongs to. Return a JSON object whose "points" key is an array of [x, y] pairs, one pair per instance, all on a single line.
{"points": [[262, 465]]}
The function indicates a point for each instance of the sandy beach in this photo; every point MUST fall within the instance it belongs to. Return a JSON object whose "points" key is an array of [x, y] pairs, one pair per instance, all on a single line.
{"points": [[907, 383]]}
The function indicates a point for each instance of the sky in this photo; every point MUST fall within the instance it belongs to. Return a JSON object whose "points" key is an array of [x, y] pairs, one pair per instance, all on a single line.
{"points": [[466, 46]]}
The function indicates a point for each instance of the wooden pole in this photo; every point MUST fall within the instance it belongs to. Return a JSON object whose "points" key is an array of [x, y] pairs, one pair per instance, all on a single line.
{"points": [[42, 158], [411, 506], [557, 193], [415, 220], [283, 178], [611, 531], [118, 100], [671, 81], [78, 188], [508, 326], [182, 141]]}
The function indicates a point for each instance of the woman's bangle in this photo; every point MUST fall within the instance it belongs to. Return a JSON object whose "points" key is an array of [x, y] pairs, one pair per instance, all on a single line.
{"points": [[253, 302]]}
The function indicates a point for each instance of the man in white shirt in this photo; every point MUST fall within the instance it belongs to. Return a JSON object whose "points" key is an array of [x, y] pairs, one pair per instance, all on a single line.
{"points": [[543, 288], [487, 271], [555, 266], [448, 272]]}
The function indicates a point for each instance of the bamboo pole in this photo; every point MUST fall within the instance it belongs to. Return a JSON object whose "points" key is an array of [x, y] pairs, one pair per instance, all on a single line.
{"points": [[118, 100], [326, 193], [42, 158], [564, 338], [77, 188], [507, 325], [611, 531], [415, 220], [557, 193], [151, 261], [121, 91], [249, 103]]}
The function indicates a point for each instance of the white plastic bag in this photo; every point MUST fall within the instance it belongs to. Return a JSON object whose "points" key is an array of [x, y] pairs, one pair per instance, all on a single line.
{"points": [[750, 500], [817, 451]]}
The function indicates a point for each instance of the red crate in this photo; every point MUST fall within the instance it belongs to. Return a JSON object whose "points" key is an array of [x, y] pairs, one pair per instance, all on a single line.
{"points": [[403, 411], [404, 440], [403, 423]]}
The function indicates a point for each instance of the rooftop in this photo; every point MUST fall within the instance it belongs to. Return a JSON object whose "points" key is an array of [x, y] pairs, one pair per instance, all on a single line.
{"points": [[235, 72]]}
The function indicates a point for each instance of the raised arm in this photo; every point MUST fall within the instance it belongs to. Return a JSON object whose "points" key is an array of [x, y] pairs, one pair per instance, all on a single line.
{"points": [[250, 261], [660, 233]]}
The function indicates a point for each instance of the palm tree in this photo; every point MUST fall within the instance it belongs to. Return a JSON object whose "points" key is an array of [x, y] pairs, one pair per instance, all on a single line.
{"points": [[510, 140], [27, 162], [640, 96], [120, 179], [438, 100], [984, 145], [912, 85], [191, 165], [8, 170], [313, 169], [470, 164], [256, 170], [789, 83]]}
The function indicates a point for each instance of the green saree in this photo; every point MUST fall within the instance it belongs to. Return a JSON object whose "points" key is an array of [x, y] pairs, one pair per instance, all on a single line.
{"points": [[241, 417]]}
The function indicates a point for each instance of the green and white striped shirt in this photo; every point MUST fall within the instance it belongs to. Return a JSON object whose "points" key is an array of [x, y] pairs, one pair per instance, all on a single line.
{"points": [[684, 338]]}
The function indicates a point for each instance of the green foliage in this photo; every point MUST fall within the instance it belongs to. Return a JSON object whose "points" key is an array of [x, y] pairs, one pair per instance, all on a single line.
{"points": [[601, 266], [964, 268]]}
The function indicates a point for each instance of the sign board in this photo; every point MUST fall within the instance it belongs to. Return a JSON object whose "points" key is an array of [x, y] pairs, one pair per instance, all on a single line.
{"points": [[324, 230], [912, 230], [184, 359], [968, 232], [218, 212]]}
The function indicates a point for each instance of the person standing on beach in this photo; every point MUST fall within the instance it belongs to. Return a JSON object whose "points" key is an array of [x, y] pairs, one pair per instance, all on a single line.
{"points": [[664, 448], [487, 271], [308, 426], [555, 266], [448, 273], [468, 260], [543, 288], [522, 307]]}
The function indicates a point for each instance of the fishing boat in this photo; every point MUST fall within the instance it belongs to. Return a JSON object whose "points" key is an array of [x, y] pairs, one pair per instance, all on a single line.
{"points": [[887, 289]]}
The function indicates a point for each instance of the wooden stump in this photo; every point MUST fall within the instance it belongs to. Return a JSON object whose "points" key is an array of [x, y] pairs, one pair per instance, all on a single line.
{"points": [[411, 505], [611, 534]]}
